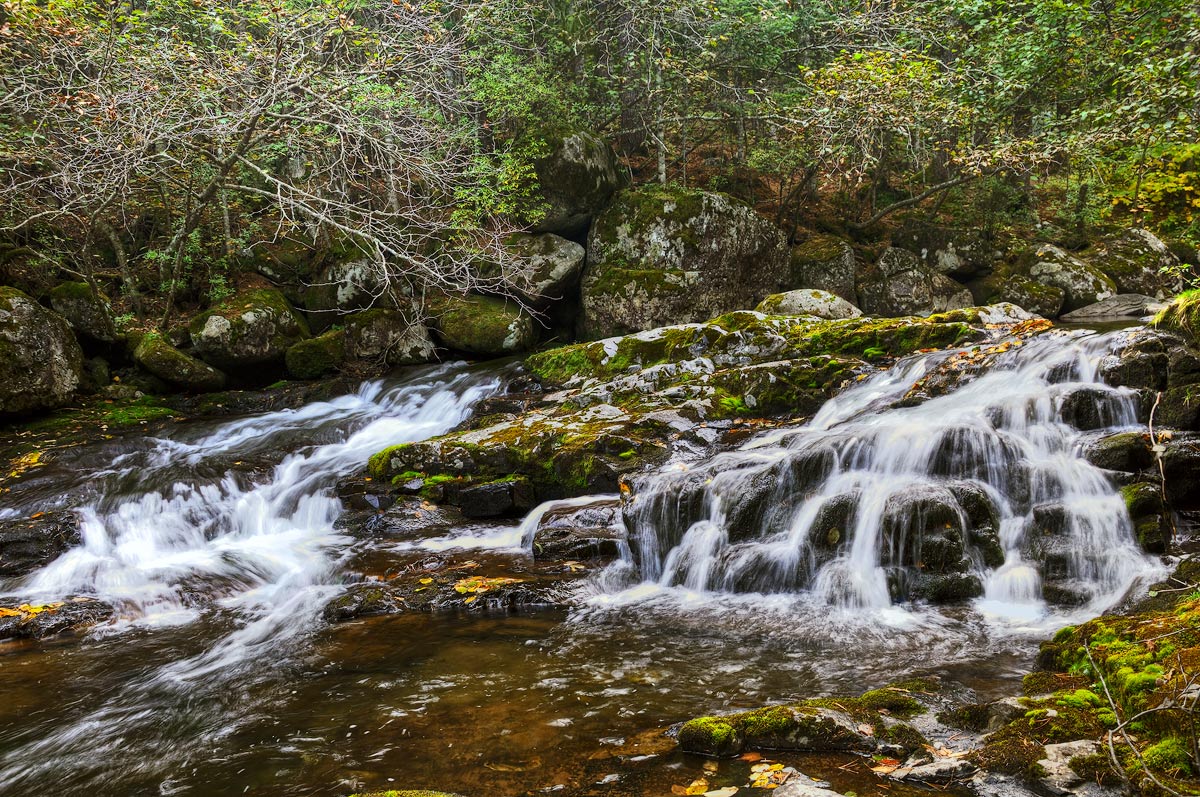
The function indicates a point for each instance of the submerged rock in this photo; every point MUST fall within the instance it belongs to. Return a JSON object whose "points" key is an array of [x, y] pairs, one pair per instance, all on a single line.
{"points": [[662, 256], [40, 361]]}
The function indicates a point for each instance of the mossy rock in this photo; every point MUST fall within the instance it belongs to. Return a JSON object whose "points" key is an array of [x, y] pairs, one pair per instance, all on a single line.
{"points": [[317, 357], [1081, 283], [1137, 262], [41, 363], [900, 284], [89, 313], [251, 328], [1124, 451], [826, 263], [166, 362], [808, 302], [1023, 291], [387, 337], [661, 256], [483, 325], [576, 179], [800, 728]]}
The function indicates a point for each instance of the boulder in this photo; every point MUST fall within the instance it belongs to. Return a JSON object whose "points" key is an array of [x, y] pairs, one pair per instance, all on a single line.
{"points": [[574, 532], [810, 302], [1138, 262], [251, 328], [661, 256], [1120, 306], [168, 363], [1081, 283], [40, 360], [958, 253], [899, 284], [317, 357], [799, 728], [483, 325], [342, 287], [576, 180], [1123, 451], [1034, 296], [547, 267], [387, 337], [826, 263], [88, 313]]}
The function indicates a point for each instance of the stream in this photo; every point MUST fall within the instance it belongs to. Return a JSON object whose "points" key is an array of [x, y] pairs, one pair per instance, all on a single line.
{"points": [[217, 542]]}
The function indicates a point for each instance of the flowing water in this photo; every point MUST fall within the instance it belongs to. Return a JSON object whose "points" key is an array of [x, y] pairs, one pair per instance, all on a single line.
{"points": [[788, 568]]}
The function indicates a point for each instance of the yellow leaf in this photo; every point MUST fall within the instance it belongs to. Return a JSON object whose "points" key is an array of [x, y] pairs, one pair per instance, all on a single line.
{"points": [[427, 581], [471, 599]]}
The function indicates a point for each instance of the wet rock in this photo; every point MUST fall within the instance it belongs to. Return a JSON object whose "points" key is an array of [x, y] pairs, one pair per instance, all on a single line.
{"points": [[1124, 451], [662, 256], [504, 497], [60, 617], [89, 313], [1089, 408], [483, 325], [1025, 292], [386, 338], [182, 370], [795, 728], [1138, 263], [27, 544], [827, 263], [1120, 306], [944, 588], [252, 328], [365, 600], [1082, 284], [1144, 370], [593, 531], [407, 793], [899, 284], [939, 771], [548, 267], [1178, 408], [1057, 776], [403, 518], [808, 302], [316, 357], [1181, 472], [1183, 367], [40, 361], [576, 180]]}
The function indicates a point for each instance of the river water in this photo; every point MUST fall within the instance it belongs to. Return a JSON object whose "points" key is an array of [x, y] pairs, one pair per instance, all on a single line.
{"points": [[217, 544]]}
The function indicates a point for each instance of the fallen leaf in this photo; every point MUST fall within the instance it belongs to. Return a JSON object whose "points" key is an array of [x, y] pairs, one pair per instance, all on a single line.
{"points": [[751, 757]]}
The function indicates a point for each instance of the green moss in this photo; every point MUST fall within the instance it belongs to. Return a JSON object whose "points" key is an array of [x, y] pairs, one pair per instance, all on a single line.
{"points": [[1095, 768], [714, 736], [317, 357], [1169, 756], [73, 291], [972, 717], [482, 325], [1181, 315], [903, 735]]}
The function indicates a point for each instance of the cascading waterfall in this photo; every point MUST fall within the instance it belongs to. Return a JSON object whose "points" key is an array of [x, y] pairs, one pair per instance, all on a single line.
{"points": [[982, 492], [263, 552]]}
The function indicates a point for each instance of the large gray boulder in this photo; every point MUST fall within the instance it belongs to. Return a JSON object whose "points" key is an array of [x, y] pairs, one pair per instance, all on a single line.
{"points": [[827, 263], [577, 179], [1082, 284], [40, 360], [88, 313], [1024, 292], [1138, 262], [958, 253], [168, 363], [810, 302], [387, 337], [899, 284], [343, 286], [251, 328], [661, 256], [1123, 305], [546, 267]]}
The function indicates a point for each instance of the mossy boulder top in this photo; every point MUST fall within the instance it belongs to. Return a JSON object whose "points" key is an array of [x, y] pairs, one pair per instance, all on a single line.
{"points": [[900, 284], [40, 360], [166, 362], [1137, 262], [809, 302], [661, 256], [576, 179], [89, 313], [251, 328], [482, 325], [1082, 284]]}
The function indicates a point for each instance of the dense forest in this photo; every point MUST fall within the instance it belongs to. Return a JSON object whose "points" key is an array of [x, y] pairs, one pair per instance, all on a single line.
{"points": [[154, 145]]}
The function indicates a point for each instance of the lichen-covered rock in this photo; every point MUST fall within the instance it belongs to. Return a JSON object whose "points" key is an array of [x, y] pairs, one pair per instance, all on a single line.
{"points": [[40, 360], [483, 325], [827, 263], [387, 337], [576, 180], [88, 313], [958, 253], [317, 357], [900, 284], [1029, 294], [547, 267], [254, 327], [662, 256], [808, 302], [182, 370], [1082, 284], [1138, 262], [343, 287]]}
